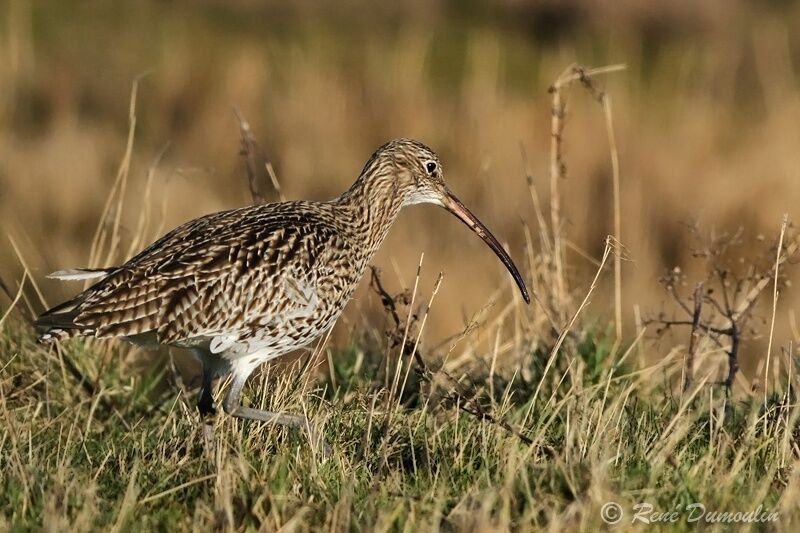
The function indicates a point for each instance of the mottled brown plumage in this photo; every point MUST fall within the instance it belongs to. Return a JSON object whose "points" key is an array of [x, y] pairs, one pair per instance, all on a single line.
{"points": [[244, 286]]}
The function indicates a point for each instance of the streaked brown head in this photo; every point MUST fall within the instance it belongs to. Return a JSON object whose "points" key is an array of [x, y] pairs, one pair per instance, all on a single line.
{"points": [[407, 169]]}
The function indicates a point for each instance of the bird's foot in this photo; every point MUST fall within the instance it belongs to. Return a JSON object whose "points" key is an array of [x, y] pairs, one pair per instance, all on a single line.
{"points": [[207, 411], [318, 442], [209, 444]]}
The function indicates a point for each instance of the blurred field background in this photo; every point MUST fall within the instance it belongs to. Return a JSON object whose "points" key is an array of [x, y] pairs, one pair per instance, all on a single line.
{"points": [[515, 428], [706, 118]]}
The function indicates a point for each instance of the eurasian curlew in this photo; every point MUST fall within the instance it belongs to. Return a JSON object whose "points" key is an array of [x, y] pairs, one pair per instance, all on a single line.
{"points": [[245, 286]]}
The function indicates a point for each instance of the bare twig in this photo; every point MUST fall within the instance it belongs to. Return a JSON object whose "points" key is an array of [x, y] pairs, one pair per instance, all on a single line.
{"points": [[558, 171], [457, 396], [258, 167], [731, 296], [688, 375]]}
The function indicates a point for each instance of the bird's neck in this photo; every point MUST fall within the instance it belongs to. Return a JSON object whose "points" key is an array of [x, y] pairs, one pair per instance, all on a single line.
{"points": [[371, 210]]}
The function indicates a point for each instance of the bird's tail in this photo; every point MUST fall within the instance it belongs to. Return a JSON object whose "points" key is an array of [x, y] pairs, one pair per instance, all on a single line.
{"points": [[58, 323]]}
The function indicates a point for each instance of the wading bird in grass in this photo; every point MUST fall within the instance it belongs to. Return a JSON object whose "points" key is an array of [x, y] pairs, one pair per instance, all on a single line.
{"points": [[241, 287]]}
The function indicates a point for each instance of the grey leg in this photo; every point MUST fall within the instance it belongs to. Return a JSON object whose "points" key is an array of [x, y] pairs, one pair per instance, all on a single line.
{"points": [[205, 402], [213, 366], [233, 408]]}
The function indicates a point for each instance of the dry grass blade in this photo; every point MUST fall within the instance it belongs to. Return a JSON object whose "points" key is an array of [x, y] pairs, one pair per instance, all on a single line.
{"points": [[154, 497], [26, 268], [774, 304], [568, 327], [612, 145], [116, 197], [143, 225], [747, 302], [14, 300]]}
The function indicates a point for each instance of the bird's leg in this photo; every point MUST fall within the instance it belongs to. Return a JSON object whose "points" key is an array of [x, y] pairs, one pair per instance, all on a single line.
{"points": [[205, 404], [234, 408]]}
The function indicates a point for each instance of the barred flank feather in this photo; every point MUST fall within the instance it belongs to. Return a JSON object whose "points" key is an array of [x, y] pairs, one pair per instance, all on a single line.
{"points": [[75, 274]]}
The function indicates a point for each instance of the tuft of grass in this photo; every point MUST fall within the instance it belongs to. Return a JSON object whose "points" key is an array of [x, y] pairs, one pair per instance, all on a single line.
{"points": [[602, 433]]}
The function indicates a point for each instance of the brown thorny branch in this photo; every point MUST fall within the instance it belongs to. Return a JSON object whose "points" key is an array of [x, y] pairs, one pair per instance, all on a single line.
{"points": [[721, 305], [458, 395]]}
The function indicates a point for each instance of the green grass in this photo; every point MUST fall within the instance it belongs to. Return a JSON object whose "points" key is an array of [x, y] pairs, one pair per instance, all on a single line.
{"points": [[403, 460]]}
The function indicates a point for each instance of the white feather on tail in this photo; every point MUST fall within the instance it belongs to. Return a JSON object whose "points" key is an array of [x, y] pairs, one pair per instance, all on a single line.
{"points": [[76, 274]]}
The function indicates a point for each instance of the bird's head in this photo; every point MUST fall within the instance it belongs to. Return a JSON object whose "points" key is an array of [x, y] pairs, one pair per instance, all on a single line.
{"points": [[410, 172]]}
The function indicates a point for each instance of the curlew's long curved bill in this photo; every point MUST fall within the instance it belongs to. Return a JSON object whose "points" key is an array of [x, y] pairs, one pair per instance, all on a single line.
{"points": [[454, 205]]}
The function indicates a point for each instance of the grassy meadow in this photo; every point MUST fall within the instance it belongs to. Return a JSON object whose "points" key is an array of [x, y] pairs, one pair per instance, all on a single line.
{"points": [[648, 195]]}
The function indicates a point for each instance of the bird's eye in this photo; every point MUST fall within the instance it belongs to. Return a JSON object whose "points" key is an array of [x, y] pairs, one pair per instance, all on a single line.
{"points": [[430, 166]]}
